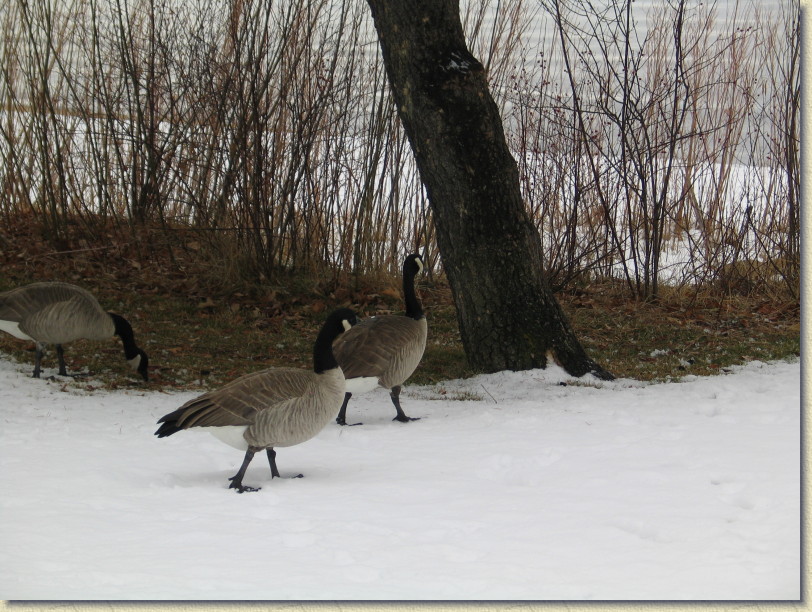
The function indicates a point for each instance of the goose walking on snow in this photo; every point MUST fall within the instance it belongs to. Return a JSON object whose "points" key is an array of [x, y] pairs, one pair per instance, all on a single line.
{"points": [[58, 313], [273, 407], [385, 350]]}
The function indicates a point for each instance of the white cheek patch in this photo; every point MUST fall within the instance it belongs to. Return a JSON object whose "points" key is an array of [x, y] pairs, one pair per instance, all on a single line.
{"points": [[233, 435], [13, 328], [419, 262], [135, 362], [347, 325]]}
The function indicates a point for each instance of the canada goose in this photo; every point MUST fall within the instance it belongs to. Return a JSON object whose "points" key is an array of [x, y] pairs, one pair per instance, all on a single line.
{"points": [[273, 407], [385, 350], [57, 313]]}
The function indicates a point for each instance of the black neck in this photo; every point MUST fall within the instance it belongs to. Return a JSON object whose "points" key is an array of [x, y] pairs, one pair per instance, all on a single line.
{"points": [[413, 308], [323, 358], [125, 331]]}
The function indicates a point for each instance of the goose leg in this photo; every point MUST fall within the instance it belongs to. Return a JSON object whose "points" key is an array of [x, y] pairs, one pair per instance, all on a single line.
{"points": [[401, 416], [341, 419], [38, 360], [272, 460], [60, 353], [236, 480]]}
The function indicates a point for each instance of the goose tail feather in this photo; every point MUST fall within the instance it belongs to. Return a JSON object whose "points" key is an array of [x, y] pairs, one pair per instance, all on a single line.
{"points": [[169, 424]]}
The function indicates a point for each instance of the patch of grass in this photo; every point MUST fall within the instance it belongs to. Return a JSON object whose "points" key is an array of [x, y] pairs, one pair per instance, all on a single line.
{"points": [[199, 335], [671, 338], [440, 393]]}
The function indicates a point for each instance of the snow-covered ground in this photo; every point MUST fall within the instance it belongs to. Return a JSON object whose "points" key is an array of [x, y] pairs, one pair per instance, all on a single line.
{"points": [[512, 486]]}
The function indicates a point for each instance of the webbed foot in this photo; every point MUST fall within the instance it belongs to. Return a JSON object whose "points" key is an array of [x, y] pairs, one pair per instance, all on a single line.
{"points": [[405, 419], [241, 488], [341, 421]]}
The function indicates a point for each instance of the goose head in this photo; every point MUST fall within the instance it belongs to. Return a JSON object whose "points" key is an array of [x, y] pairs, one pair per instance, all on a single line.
{"points": [[134, 355], [140, 363], [413, 264], [338, 321]]}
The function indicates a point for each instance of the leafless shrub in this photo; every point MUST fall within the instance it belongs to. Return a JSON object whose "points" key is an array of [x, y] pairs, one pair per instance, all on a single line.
{"points": [[648, 146], [267, 130]]}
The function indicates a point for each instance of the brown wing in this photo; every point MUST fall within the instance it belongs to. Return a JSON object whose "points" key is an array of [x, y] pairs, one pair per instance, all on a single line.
{"points": [[239, 402], [31, 298], [379, 346], [55, 312]]}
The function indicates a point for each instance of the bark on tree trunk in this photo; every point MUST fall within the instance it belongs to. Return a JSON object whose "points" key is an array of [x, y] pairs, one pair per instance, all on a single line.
{"points": [[491, 250]]}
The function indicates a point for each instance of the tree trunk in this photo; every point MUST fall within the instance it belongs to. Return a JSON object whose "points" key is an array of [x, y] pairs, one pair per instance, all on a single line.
{"points": [[491, 250]]}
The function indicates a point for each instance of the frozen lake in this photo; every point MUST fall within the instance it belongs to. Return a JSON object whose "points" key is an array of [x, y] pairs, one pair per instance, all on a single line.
{"points": [[542, 33]]}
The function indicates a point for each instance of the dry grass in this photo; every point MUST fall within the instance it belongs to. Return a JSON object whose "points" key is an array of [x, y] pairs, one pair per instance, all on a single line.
{"points": [[198, 333]]}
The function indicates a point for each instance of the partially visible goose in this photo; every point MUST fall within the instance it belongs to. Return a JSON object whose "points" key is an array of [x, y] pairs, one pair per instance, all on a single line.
{"points": [[384, 351], [273, 407], [58, 313]]}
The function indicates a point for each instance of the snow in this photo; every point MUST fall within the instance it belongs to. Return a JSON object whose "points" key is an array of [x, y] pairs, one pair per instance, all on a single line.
{"points": [[512, 486]]}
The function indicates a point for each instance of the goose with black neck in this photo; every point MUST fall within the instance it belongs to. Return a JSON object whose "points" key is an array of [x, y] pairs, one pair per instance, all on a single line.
{"points": [[385, 350], [58, 313]]}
